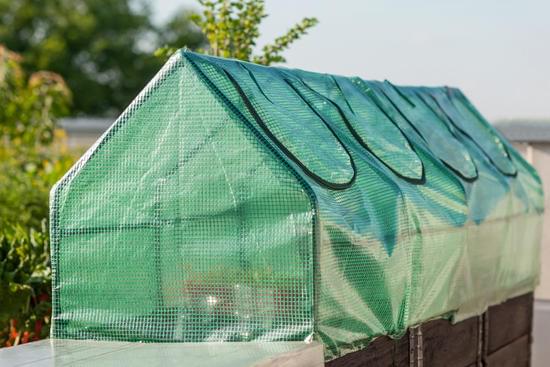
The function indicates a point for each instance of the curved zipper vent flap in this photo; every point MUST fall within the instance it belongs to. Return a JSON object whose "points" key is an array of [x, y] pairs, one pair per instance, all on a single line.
{"points": [[374, 130], [428, 124], [465, 118]]}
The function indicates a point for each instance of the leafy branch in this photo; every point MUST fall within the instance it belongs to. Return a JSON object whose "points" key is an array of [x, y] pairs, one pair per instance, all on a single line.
{"points": [[272, 53], [232, 29]]}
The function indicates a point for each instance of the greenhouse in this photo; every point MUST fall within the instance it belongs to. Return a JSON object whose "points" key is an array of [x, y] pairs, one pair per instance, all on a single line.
{"points": [[236, 202]]}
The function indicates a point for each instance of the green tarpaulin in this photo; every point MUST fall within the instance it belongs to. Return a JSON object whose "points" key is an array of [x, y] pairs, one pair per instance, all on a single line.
{"points": [[236, 202]]}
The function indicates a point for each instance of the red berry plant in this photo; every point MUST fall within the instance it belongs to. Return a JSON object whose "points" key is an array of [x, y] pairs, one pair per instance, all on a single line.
{"points": [[25, 278]]}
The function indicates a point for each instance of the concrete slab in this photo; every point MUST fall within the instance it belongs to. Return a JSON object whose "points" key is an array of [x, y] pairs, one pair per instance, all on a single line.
{"points": [[48, 353]]}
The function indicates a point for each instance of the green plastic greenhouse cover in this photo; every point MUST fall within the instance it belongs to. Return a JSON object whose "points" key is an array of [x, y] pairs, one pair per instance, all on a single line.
{"points": [[236, 202]]}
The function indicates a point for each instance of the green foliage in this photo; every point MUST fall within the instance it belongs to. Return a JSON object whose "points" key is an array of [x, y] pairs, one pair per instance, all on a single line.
{"points": [[26, 177], [232, 28], [100, 47], [25, 289], [32, 158]]}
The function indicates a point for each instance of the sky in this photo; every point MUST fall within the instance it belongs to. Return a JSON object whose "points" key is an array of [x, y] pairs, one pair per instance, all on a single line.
{"points": [[497, 52]]}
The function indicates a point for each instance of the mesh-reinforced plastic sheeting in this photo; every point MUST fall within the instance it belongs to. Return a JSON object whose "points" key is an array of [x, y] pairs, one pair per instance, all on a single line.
{"points": [[235, 202]]}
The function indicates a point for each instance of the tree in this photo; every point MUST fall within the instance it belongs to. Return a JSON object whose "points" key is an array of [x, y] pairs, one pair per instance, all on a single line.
{"points": [[101, 48], [232, 28]]}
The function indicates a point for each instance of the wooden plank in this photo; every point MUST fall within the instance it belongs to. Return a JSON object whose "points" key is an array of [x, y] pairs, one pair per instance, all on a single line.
{"points": [[515, 354], [401, 352], [509, 321], [450, 345], [382, 352]]}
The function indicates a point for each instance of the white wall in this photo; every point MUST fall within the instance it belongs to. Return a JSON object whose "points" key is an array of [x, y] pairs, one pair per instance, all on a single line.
{"points": [[538, 154]]}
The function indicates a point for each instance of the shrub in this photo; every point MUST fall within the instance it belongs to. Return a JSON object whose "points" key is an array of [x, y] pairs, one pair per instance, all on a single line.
{"points": [[32, 157]]}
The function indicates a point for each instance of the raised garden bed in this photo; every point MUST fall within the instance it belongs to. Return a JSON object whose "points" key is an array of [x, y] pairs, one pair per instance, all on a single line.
{"points": [[500, 337]]}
